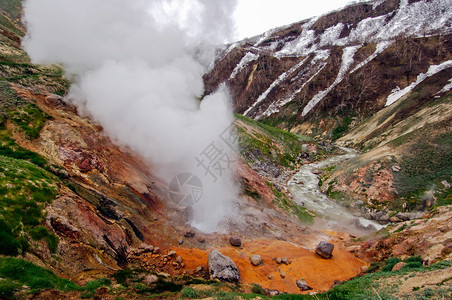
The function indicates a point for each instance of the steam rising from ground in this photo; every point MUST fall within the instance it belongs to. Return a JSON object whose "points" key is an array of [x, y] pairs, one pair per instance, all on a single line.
{"points": [[138, 68]]}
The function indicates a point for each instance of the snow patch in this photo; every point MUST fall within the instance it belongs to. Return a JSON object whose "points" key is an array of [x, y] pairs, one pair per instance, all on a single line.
{"points": [[446, 88], [377, 3], [322, 55], [280, 79], [331, 35], [380, 48], [299, 46], [347, 61], [246, 59], [432, 70]]}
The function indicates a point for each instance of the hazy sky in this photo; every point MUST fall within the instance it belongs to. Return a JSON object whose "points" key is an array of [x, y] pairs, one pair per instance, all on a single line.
{"points": [[257, 16]]}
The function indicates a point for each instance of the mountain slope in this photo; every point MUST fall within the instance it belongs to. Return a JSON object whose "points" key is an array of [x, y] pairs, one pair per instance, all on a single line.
{"points": [[342, 64]]}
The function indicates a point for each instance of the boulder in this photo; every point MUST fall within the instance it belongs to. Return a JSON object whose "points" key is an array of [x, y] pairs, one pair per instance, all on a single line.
{"points": [[172, 253], [222, 267], [324, 249], [256, 259], [303, 285], [235, 241], [150, 279]]}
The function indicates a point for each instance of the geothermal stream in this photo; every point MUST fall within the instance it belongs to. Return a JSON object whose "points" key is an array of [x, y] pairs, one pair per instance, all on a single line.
{"points": [[304, 186]]}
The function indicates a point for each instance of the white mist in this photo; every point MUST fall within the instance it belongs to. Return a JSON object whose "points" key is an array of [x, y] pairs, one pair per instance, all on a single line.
{"points": [[135, 74]]}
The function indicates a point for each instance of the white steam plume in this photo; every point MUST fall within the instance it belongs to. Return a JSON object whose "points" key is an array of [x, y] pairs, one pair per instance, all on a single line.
{"points": [[138, 68]]}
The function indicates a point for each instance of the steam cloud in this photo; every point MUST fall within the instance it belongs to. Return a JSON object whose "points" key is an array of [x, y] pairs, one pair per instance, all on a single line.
{"points": [[138, 68]]}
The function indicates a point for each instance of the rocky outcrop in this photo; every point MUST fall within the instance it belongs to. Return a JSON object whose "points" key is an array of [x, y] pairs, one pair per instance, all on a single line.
{"points": [[222, 267]]}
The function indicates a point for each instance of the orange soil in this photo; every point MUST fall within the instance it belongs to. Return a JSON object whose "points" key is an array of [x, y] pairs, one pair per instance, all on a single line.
{"points": [[319, 273]]}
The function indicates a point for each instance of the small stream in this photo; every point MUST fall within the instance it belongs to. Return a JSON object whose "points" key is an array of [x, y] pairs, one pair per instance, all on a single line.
{"points": [[304, 187]]}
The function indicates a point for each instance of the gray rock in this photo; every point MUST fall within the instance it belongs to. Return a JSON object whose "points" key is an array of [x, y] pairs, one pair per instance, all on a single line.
{"points": [[172, 253], [150, 279], [256, 259], [324, 249], [284, 260], [222, 267], [358, 223], [189, 234], [359, 203], [278, 260], [235, 241], [303, 285]]}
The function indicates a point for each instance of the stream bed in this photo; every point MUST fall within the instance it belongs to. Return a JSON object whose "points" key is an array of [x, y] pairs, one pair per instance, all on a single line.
{"points": [[304, 187]]}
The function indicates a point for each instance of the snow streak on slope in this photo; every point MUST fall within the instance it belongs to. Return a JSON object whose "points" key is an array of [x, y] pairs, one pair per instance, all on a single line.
{"points": [[249, 57], [347, 61], [280, 79], [275, 106], [380, 48], [397, 94], [446, 88], [300, 45]]}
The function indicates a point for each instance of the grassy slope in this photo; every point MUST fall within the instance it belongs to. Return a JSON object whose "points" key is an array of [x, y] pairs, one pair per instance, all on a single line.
{"points": [[414, 133]]}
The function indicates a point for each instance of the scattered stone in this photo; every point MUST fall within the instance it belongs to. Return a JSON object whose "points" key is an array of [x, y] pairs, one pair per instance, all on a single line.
{"points": [[398, 266], [156, 250], [279, 260], [282, 273], [201, 239], [222, 267], [182, 265], [364, 269], [179, 259], [324, 249], [396, 168], [146, 248], [446, 184], [269, 292], [198, 269], [303, 285], [359, 204], [189, 234], [284, 260], [150, 279], [172, 253], [270, 276], [181, 242], [256, 259], [235, 241]]}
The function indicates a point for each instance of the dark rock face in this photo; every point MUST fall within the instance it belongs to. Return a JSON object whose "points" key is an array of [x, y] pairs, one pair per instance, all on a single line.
{"points": [[235, 241], [222, 267], [324, 249]]}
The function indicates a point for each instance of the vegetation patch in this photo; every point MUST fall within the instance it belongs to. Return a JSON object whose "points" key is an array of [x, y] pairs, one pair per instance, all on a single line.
{"points": [[25, 189], [283, 202]]}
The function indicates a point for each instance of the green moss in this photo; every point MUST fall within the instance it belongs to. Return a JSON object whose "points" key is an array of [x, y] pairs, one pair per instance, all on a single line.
{"points": [[269, 144], [283, 202], [37, 278], [26, 189]]}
